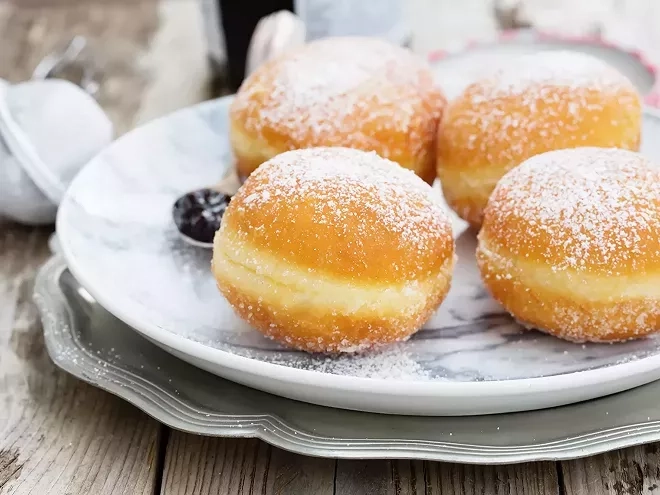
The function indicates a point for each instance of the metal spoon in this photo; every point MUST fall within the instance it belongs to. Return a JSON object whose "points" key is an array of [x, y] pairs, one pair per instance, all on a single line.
{"points": [[197, 214], [57, 64]]}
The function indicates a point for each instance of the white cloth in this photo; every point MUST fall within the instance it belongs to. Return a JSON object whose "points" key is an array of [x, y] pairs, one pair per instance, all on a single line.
{"points": [[49, 129]]}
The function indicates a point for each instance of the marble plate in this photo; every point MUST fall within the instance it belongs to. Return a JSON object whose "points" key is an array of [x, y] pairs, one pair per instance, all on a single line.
{"points": [[85, 340], [471, 358]]}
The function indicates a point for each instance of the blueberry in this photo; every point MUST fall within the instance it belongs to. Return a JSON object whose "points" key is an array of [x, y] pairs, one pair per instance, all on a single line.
{"points": [[198, 214]]}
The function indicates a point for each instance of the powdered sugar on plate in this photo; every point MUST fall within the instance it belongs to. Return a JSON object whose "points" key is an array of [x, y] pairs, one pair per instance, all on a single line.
{"points": [[394, 362]]}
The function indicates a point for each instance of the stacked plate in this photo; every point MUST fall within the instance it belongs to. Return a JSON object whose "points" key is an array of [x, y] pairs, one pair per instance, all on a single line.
{"points": [[125, 278]]}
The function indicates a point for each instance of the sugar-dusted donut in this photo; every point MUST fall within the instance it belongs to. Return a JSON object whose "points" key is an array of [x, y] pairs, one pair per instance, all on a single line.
{"points": [[570, 244], [541, 102], [334, 250], [355, 92]]}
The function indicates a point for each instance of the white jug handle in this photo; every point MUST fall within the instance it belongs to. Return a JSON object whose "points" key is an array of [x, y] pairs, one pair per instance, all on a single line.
{"points": [[274, 34]]}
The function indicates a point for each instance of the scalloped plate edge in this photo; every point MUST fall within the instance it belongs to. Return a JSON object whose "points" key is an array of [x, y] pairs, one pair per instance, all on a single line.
{"points": [[60, 331]]}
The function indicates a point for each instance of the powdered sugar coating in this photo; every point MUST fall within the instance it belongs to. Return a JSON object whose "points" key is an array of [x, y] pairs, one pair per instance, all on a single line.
{"points": [[586, 209], [334, 250], [548, 100], [357, 92], [571, 69], [346, 211]]}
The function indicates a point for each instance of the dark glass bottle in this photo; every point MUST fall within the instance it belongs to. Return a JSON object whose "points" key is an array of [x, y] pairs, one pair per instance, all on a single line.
{"points": [[229, 25]]}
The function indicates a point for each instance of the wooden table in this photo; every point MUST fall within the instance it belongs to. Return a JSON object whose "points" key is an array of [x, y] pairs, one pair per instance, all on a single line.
{"points": [[59, 435]]}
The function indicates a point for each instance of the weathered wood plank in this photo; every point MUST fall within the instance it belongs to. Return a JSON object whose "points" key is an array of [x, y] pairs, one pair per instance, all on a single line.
{"points": [[58, 435], [200, 465], [432, 478], [292, 474], [634, 470], [530, 478], [381, 477], [40, 4]]}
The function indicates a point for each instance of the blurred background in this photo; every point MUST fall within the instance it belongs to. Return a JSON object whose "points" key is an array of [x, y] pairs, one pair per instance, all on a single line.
{"points": [[145, 58]]}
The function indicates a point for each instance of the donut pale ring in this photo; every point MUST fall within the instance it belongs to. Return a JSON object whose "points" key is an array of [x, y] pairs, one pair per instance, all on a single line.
{"points": [[570, 244], [355, 92], [334, 250], [548, 101]]}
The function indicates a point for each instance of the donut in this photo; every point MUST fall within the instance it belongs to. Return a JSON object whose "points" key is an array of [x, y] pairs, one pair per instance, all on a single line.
{"points": [[541, 102], [334, 250], [353, 92], [570, 244]]}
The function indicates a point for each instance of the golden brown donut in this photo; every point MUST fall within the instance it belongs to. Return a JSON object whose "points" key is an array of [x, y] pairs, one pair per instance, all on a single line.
{"points": [[355, 92], [334, 250], [570, 244], [546, 101]]}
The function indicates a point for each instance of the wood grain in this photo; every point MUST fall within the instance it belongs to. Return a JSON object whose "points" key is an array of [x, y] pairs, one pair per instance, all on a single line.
{"points": [[204, 466], [529, 478], [201, 465], [433, 478], [382, 477], [629, 471], [58, 435]]}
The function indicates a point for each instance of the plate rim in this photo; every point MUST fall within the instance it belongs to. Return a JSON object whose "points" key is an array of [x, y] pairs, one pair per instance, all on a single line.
{"points": [[284, 374], [55, 312]]}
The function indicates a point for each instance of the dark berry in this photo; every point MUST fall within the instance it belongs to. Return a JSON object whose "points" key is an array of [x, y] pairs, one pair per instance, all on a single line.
{"points": [[198, 214]]}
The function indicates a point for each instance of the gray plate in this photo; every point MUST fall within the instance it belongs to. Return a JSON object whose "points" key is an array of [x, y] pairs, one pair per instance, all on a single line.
{"points": [[88, 342]]}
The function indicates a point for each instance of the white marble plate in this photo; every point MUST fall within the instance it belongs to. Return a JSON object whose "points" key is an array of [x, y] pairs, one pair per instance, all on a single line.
{"points": [[471, 358]]}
